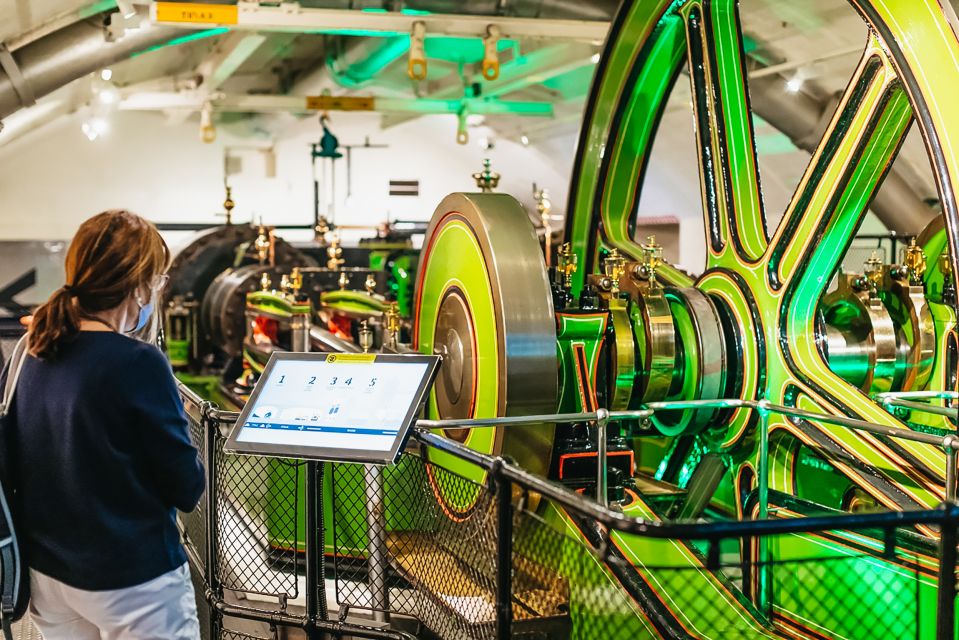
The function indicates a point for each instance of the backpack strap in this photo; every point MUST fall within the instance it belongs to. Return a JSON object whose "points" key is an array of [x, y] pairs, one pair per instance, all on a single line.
{"points": [[13, 373]]}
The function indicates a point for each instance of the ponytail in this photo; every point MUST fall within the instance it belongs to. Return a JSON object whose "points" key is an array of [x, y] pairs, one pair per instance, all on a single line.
{"points": [[54, 322], [112, 255]]}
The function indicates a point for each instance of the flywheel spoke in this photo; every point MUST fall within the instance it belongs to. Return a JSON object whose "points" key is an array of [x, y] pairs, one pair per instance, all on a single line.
{"points": [[843, 174], [732, 203]]}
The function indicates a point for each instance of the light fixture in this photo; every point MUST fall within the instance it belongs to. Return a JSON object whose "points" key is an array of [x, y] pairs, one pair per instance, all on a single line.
{"points": [[108, 95], [524, 139], [207, 130], [95, 127], [106, 75], [794, 84], [594, 58]]}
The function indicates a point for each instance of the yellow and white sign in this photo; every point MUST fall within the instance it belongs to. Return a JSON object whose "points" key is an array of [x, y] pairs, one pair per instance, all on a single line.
{"points": [[195, 12]]}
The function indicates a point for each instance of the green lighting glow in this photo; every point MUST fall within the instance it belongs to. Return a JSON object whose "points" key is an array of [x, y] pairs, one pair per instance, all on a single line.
{"points": [[198, 35]]}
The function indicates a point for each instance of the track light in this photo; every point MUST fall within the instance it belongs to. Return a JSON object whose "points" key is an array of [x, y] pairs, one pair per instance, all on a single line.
{"points": [[95, 127], [106, 75]]}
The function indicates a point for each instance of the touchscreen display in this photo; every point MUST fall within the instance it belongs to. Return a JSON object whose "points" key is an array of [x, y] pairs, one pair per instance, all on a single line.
{"points": [[338, 405]]}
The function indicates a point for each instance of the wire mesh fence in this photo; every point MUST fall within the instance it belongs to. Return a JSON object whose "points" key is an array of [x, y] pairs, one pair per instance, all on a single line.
{"points": [[257, 508], [477, 553], [571, 578]]}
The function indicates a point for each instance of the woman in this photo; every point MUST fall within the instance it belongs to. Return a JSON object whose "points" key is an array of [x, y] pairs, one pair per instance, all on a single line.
{"points": [[100, 450]]}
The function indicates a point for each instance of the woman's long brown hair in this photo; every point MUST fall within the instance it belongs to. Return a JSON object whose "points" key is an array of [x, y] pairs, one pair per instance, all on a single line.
{"points": [[112, 256]]}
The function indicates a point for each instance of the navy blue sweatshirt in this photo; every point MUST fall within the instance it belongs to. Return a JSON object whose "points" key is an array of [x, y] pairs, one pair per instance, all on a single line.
{"points": [[102, 456]]}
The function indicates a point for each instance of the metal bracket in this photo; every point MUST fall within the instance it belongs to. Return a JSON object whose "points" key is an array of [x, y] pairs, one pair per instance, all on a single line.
{"points": [[20, 84], [417, 63], [490, 54]]}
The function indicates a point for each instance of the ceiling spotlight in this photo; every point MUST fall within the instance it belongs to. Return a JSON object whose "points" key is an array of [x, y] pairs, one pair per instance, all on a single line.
{"points": [[106, 75], [94, 128], [594, 58], [524, 139], [108, 95], [794, 84]]}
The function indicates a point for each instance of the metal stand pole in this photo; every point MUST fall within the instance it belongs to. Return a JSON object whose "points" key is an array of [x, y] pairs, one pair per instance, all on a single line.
{"points": [[376, 524], [764, 568], [315, 540], [602, 493], [504, 557]]}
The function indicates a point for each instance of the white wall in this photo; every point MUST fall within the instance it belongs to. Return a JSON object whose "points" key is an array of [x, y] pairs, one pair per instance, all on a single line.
{"points": [[53, 179]]}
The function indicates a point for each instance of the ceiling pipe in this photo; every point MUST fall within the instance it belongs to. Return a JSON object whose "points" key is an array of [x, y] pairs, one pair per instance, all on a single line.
{"points": [[803, 119], [61, 57]]}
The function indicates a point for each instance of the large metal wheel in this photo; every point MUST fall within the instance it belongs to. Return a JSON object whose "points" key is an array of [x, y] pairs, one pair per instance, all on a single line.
{"points": [[771, 284], [483, 302]]}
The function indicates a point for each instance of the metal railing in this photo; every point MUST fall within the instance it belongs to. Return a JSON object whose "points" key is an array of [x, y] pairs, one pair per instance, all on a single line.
{"points": [[502, 477], [907, 400]]}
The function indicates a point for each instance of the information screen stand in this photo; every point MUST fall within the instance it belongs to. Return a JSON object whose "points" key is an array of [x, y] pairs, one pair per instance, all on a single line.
{"points": [[334, 407]]}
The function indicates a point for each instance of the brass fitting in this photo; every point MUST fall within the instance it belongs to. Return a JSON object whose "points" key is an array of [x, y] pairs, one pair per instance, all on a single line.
{"points": [[914, 259]]}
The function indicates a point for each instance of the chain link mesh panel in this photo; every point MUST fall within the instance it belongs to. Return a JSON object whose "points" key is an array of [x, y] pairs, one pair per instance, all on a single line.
{"points": [[227, 634], [193, 525], [440, 566], [258, 507]]}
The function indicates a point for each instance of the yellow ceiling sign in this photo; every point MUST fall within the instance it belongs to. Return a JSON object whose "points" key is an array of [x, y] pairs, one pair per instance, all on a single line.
{"points": [[196, 12], [340, 103]]}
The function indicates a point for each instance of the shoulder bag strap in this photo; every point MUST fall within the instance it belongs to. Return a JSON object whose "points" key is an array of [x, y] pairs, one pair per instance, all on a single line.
{"points": [[13, 373]]}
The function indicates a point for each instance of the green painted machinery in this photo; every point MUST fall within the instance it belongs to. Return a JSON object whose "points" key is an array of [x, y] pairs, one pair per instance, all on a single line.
{"points": [[612, 325]]}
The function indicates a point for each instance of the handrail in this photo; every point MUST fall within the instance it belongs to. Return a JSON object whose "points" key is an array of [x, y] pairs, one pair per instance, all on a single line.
{"points": [[906, 400], [694, 530]]}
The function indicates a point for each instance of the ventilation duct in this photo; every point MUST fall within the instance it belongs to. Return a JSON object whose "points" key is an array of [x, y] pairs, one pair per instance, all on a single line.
{"points": [[61, 57]]}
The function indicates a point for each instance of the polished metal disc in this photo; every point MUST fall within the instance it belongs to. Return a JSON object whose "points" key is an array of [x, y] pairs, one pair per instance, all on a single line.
{"points": [[484, 303]]}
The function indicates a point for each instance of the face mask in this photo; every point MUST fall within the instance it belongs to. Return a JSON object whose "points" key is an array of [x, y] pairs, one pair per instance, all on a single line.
{"points": [[146, 311]]}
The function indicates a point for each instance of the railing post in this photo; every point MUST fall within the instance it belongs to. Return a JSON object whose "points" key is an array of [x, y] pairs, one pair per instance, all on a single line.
{"points": [[504, 554], [946, 600], [602, 472], [211, 434], [950, 445], [762, 473]]}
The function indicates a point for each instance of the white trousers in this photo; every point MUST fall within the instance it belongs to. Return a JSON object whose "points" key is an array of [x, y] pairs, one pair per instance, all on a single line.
{"points": [[161, 609]]}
